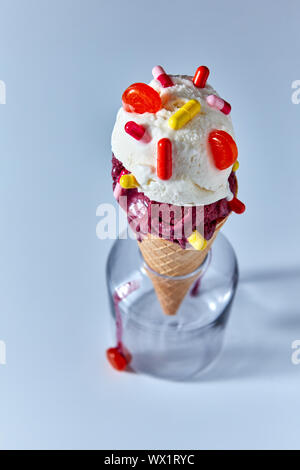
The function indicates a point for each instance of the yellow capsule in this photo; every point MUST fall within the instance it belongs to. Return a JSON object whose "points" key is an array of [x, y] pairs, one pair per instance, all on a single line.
{"points": [[197, 241], [193, 107], [128, 182], [185, 114], [236, 166], [179, 119]]}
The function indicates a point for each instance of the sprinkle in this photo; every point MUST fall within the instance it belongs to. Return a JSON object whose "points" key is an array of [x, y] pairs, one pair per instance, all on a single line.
{"points": [[236, 166], [128, 181], [197, 241], [116, 359], [201, 76], [223, 149], [141, 98], [185, 114], [164, 159], [237, 206], [123, 172], [160, 75], [216, 102], [135, 130]]}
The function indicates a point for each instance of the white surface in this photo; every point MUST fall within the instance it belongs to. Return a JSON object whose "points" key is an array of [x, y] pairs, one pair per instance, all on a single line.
{"points": [[65, 65]]}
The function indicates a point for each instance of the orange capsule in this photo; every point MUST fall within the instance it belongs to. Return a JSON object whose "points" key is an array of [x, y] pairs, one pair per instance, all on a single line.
{"points": [[164, 159], [222, 148], [141, 98], [201, 76]]}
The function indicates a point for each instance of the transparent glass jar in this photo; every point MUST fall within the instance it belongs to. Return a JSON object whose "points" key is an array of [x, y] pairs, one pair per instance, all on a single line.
{"points": [[172, 347]]}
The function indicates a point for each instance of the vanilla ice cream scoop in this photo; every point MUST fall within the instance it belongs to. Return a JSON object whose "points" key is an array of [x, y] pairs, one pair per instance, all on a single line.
{"points": [[195, 179]]}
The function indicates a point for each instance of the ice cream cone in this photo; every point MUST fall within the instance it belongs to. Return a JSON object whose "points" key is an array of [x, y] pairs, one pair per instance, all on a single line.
{"points": [[170, 267], [188, 162]]}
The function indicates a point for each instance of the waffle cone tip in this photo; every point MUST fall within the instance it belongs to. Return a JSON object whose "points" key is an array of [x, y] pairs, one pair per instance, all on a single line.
{"points": [[168, 261]]}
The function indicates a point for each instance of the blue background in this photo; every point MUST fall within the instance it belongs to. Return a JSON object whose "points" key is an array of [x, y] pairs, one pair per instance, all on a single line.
{"points": [[65, 64]]}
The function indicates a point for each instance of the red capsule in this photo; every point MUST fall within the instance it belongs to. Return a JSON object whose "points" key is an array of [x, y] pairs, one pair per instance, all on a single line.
{"points": [[222, 148], [135, 130], [141, 98], [201, 76], [237, 206], [116, 359], [164, 159]]}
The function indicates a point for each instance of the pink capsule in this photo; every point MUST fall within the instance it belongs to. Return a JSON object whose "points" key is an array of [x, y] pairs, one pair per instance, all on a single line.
{"points": [[160, 75], [118, 191], [217, 103], [135, 130]]}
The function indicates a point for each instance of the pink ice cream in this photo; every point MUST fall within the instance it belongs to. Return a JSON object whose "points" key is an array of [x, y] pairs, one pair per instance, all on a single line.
{"points": [[140, 213]]}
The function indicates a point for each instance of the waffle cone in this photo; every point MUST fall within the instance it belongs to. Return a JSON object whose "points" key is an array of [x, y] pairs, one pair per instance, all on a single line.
{"points": [[170, 260]]}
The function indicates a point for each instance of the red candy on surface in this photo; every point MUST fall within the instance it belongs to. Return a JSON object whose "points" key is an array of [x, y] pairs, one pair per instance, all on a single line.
{"points": [[223, 149], [116, 359], [135, 130], [201, 76], [141, 98], [237, 206], [164, 159]]}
